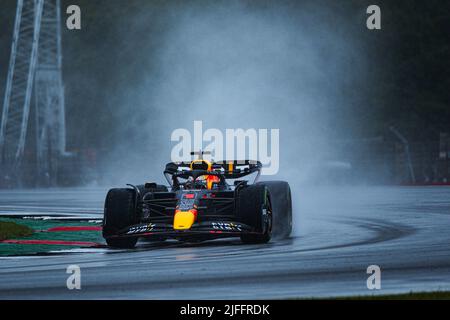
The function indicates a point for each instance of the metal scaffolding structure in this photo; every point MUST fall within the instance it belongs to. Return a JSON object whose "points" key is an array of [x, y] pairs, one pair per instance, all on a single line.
{"points": [[34, 71]]}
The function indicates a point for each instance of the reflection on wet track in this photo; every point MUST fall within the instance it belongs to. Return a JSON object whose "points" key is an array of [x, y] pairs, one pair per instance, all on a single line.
{"points": [[338, 233]]}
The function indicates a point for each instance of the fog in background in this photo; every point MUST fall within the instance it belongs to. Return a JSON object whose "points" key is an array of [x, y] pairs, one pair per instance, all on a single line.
{"points": [[139, 69], [233, 65]]}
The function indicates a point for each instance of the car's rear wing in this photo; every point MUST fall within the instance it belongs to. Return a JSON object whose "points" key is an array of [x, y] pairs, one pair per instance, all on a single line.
{"points": [[230, 169]]}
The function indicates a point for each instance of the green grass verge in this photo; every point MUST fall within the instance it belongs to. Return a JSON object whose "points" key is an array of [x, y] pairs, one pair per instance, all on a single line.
{"points": [[432, 295], [10, 230], [36, 225]]}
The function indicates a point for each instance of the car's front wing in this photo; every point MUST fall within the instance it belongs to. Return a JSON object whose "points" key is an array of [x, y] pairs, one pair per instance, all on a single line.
{"points": [[206, 229]]}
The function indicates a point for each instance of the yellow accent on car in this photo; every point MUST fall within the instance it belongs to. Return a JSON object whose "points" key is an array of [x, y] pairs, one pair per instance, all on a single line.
{"points": [[200, 162], [183, 220]]}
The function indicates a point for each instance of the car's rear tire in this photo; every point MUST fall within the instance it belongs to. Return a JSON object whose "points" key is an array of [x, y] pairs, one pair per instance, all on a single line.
{"points": [[254, 209], [119, 213], [280, 195]]}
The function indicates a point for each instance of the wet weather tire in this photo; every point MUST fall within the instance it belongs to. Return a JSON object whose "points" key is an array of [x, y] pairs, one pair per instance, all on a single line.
{"points": [[124, 243], [254, 209], [119, 213], [280, 195]]}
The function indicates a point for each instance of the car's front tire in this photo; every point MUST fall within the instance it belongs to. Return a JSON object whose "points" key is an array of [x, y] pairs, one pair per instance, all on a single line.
{"points": [[255, 209], [122, 243], [119, 213]]}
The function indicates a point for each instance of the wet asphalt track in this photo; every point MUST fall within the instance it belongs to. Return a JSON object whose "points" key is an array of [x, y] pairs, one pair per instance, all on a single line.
{"points": [[339, 231]]}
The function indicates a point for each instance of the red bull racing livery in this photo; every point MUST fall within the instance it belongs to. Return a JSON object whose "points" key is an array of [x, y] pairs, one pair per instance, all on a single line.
{"points": [[204, 200]]}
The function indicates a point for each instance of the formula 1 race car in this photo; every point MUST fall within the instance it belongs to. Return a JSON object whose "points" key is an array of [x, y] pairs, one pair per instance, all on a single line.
{"points": [[200, 204]]}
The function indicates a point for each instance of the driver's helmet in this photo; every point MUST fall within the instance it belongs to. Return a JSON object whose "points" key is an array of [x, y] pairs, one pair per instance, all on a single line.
{"points": [[210, 179]]}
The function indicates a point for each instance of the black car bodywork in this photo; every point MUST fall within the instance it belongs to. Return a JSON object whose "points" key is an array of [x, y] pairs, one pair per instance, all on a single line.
{"points": [[204, 211]]}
